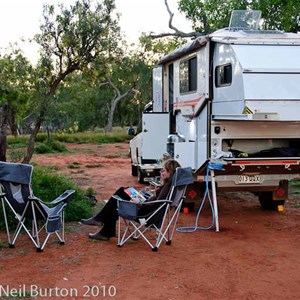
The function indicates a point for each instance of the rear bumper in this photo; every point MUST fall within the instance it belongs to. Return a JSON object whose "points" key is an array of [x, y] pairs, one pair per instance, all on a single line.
{"points": [[268, 172]]}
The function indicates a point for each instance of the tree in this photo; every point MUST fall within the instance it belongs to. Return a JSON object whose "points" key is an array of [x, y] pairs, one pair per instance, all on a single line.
{"points": [[78, 102], [70, 40], [210, 15], [118, 96], [3, 132], [126, 74], [281, 15], [96, 99], [16, 84], [15, 93], [177, 32]]}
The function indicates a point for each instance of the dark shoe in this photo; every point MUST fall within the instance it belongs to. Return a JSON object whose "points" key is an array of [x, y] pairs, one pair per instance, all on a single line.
{"points": [[98, 236], [91, 221]]}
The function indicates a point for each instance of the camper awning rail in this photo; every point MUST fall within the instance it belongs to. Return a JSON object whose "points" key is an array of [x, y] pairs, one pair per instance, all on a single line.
{"points": [[185, 49]]}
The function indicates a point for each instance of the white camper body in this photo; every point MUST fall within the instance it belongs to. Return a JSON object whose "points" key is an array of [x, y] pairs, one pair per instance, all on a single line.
{"points": [[250, 81], [234, 95], [146, 149]]}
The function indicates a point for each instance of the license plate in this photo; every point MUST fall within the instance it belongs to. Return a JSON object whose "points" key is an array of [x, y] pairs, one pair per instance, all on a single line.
{"points": [[248, 179], [147, 179]]}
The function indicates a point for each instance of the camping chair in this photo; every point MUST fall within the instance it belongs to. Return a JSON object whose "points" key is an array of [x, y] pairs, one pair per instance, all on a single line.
{"points": [[163, 219], [17, 196]]}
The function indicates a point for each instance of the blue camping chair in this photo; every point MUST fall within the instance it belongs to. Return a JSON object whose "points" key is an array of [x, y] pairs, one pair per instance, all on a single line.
{"points": [[16, 195], [161, 221]]}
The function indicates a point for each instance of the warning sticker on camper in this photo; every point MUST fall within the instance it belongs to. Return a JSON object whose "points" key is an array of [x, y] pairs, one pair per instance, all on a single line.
{"points": [[247, 111]]}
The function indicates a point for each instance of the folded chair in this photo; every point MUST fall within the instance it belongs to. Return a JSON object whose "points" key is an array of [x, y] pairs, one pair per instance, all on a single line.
{"points": [[161, 221], [39, 219]]}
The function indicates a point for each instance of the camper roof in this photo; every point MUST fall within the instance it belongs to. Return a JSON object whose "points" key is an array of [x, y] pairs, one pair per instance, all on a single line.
{"points": [[235, 36], [245, 36]]}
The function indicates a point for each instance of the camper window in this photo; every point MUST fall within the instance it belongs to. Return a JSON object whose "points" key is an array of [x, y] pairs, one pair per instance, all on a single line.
{"points": [[188, 75], [223, 75]]}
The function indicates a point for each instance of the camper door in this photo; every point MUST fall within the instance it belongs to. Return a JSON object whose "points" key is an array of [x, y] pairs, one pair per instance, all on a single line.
{"points": [[155, 134], [157, 86]]}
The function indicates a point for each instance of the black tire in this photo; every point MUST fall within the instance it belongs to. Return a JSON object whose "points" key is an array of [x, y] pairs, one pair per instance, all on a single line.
{"points": [[140, 176], [133, 167], [267, 202], [134, 171]]}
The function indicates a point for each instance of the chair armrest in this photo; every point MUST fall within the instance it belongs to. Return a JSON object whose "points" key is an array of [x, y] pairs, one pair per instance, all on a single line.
{"points": [[118, 198], [2, 194], [64, 197], [156, 201]]}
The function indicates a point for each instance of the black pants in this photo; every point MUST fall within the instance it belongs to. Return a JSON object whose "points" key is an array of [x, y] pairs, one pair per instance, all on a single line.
{"points": [[109, 216]]}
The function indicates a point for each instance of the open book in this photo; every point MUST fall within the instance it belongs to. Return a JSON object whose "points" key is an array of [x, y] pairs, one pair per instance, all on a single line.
{"points": [[134, 194]]}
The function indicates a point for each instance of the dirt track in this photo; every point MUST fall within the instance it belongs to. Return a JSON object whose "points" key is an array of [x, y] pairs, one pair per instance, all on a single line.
{"points": [[254, 256]]}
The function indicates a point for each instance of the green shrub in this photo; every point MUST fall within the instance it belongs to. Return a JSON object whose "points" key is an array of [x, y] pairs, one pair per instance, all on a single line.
{"points": [[16, 155], [97, 136], [47, 185], [58, 146], [50, 147], [17, 141], [41, 137], [43, 148]]}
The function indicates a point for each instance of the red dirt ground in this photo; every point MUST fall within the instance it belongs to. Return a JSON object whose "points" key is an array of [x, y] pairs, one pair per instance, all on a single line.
{"points": [[254, 256]]}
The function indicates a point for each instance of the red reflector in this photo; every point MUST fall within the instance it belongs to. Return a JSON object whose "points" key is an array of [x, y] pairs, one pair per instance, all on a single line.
{"points": [[192, 194], [280, 192]]}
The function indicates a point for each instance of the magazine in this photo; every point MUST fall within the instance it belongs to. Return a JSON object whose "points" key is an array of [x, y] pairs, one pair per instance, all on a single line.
{"points": [[134, 194]]}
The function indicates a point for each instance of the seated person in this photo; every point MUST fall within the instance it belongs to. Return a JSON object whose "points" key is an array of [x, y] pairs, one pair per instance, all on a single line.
{"points": [[108, 216]]}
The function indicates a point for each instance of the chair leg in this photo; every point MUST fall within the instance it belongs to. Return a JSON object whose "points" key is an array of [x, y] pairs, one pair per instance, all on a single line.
{"points": [[119, 232], [60, 238], [45, 242], [63, 226], [35, 226], [5, 220]]}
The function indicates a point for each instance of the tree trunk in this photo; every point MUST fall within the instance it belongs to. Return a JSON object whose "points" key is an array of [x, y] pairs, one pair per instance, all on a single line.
{"points": [[3, 134], [13, 122], [30, 147], [113, 106], [111, 115], [117, 98]]}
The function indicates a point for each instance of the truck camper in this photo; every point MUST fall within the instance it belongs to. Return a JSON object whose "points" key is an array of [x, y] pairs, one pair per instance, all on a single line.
{"points": [[231, 97]]}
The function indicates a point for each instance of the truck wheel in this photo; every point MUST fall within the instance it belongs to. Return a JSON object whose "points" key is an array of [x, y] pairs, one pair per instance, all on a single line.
{"points": [[140, 176], [267, 202], [133, 170]]}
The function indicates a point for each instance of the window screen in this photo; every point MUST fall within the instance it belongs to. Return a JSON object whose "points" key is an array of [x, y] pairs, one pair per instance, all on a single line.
{"points": [[223, 75]]}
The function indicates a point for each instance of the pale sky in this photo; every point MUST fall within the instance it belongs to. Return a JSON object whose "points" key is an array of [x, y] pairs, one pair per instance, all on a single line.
{"points": [[21, 19]]}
